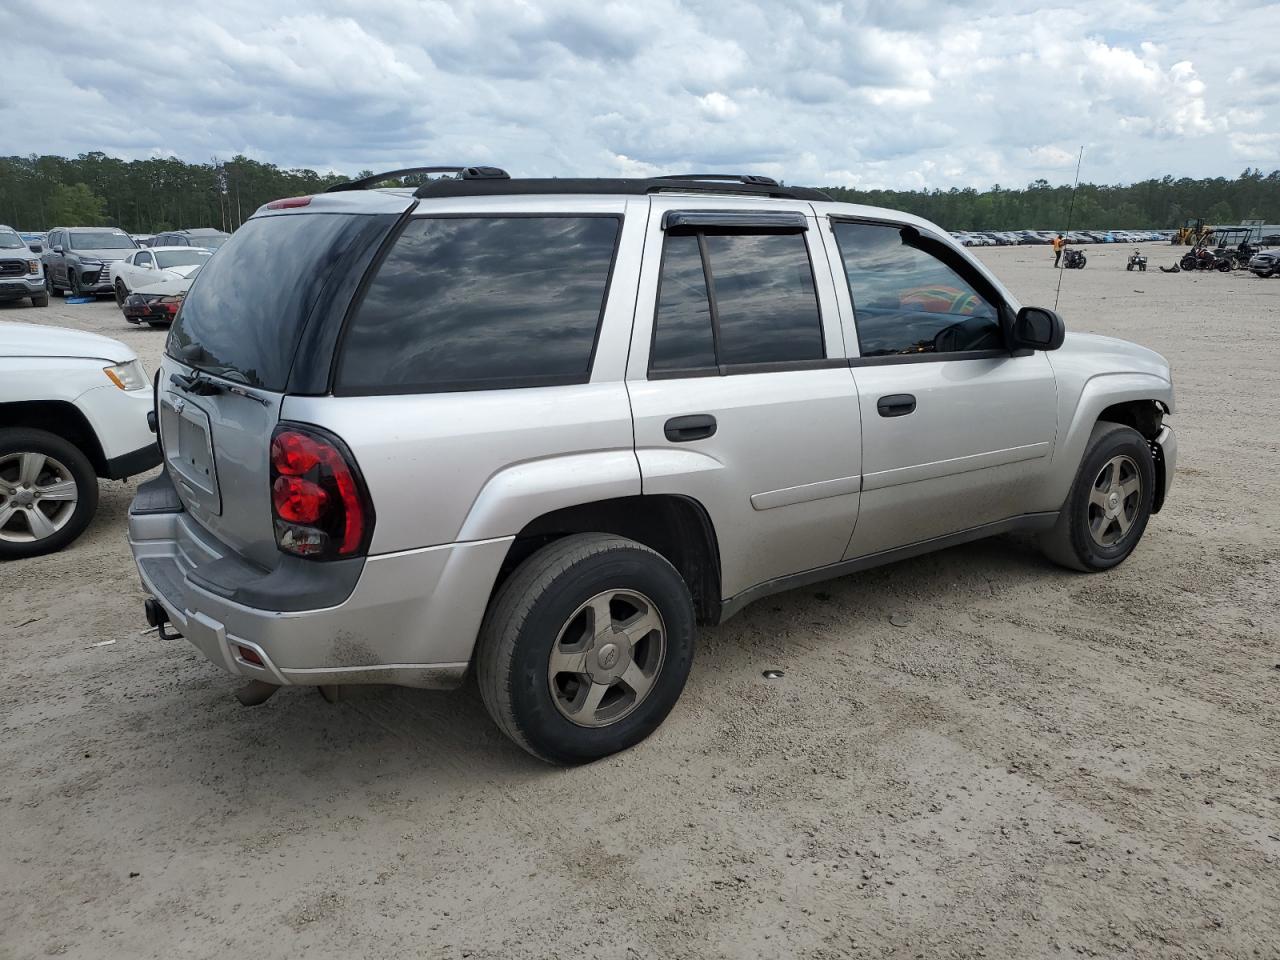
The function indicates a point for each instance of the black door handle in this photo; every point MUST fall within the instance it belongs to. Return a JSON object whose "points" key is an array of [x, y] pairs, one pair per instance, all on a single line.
{"points": [[697, 426], [896, 405]]}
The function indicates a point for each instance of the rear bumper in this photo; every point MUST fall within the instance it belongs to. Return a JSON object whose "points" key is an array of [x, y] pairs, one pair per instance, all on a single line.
{"points": [[149, 312], [410, 619]]}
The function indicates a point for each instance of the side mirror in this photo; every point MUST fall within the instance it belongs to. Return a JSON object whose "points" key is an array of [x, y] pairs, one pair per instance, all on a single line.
{"points": [[57, 248], [1038, 328]]}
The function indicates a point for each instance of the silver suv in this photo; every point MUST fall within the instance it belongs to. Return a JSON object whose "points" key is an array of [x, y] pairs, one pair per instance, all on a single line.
{"points": [[540, 429]]}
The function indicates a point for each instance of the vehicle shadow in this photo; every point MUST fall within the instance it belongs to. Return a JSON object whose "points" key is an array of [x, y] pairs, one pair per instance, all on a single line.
{"points": [[420, 740]]}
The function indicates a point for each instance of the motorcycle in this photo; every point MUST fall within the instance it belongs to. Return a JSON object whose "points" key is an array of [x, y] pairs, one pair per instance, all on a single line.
{"points": [[1205, 259], [1136, 261], [1073, 259]]}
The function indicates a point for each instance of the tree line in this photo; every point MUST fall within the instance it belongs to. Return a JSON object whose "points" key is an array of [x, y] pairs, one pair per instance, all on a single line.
{"points": [[147, 196], [1149, 204]]}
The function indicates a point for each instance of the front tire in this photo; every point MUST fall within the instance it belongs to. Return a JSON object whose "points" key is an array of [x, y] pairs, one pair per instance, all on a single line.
{"points": [[121, 293], [40, 299], [586, 648], [48, 493], [1110, 502]]}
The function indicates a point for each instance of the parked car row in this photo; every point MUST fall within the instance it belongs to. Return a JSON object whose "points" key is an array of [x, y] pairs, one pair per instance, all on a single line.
{"points": [[1001, 238], [149, 280]]}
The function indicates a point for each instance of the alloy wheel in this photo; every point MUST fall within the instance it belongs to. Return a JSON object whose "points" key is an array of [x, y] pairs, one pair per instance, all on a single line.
{"points": [[38, 496], [606, 658], [1114, 501]]}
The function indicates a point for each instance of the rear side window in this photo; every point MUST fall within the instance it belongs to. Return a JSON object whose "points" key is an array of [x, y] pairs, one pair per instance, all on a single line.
{"points": [[245, 312], [482, 303], [731, 299], [906, 301]]}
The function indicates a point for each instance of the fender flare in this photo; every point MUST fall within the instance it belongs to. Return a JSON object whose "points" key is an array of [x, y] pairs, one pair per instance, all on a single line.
{"points": [[1100, 391], [520, 493]]}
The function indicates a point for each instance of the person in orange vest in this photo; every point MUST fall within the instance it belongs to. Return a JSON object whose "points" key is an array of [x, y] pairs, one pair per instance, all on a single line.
{"points": [[1058, 244]]}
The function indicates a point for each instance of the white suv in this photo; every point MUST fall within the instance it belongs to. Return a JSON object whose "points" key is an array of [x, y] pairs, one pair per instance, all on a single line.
{"points": [[74, 407], [540, 428]]}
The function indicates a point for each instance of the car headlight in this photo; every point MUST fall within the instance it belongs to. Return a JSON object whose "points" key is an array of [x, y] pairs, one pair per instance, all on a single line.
{"points": [[33, 266], [128, 376], [90, 262]]}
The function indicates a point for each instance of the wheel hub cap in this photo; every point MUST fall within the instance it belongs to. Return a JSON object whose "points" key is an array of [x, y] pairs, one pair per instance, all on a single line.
{"points": [[1114, 501], [606, 658], [38, 497]]}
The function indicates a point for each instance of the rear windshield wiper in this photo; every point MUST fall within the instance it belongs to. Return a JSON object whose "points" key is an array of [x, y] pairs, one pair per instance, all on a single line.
{"points": [[202, 385]]}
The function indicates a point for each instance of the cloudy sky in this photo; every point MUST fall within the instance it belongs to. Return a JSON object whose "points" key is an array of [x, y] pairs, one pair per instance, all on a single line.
{"points": [[872, 93]]}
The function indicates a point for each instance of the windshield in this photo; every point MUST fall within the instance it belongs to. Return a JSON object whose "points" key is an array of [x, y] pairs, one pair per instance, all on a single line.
{"points": [[11, 241], [104, 240], [181, 258], [244, 314]]}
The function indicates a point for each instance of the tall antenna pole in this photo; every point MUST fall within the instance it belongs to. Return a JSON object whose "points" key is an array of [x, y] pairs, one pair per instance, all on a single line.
{"points": [[1070, 210]]}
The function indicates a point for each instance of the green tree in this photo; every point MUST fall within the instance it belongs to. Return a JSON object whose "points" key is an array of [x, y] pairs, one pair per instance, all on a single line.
{"points": [[1220, 213], [75, 205]]}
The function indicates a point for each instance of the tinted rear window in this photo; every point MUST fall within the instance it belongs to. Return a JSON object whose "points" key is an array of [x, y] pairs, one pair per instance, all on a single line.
{"points": [[476, 303], [246, 310]]}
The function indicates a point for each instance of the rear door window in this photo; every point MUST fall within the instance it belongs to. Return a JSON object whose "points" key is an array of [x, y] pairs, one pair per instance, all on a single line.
{"points": [[482, 303], [735, 299], [908, 302]]}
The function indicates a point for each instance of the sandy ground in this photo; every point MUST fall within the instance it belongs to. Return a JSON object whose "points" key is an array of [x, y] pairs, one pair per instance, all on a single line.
{"points": [[1038, 763]]}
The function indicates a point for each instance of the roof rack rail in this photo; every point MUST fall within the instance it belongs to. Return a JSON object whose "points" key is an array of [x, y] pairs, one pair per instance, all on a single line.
{"points": [[462, 173], [731, 177], [629, 186]]}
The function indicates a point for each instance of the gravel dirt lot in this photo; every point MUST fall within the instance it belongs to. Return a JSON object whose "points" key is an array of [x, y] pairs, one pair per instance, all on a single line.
{"points": [[970, 754]]}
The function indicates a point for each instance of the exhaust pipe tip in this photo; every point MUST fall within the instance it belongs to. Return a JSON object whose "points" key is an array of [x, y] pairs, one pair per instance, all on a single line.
{"points": [[255, 692]]}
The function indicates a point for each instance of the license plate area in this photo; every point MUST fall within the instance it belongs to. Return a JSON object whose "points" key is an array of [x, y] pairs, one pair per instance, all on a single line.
{"points": [[188, 451]]}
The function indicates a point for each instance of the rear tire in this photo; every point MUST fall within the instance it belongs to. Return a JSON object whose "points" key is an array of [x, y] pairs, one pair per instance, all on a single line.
{"points": [[1107, 509], [544, 653], [60, 464]]}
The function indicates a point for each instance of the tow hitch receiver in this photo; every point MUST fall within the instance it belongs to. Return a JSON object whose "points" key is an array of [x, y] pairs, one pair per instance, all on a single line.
{"points": [[156, 617]]}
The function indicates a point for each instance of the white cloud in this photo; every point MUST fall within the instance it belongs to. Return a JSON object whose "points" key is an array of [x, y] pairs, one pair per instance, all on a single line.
{"points": [[717, 106], [864, 92]]}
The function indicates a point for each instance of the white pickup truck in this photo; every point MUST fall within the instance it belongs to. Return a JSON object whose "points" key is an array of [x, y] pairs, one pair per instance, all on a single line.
{"points": [[73, 408]]}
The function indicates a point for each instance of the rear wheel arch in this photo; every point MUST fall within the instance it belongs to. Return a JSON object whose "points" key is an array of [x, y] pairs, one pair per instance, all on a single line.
{"points": [[60, 418], [676, 527]]}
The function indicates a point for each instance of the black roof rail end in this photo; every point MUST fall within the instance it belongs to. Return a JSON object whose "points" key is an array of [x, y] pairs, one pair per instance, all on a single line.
{"points": [[462, 173]]}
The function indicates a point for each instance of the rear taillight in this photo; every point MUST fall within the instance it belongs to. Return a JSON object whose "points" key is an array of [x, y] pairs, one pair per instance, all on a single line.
{"points": [[319, 503]]}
